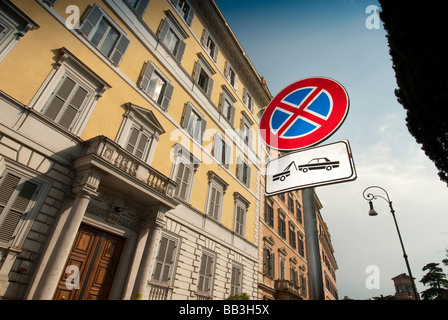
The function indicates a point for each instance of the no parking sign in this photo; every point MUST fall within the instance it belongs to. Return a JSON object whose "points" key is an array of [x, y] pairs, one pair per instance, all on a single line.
{"points": [[304, 114]]}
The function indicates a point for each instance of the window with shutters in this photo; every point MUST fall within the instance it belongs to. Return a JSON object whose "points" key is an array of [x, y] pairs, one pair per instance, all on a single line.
{"points": [[292, 235], [184, 169], [165, 260], [281, 225], [226, 106], [138, 142], [282, 266], [203, 75], [303, 285], [248, 100], [184, 180], [70, 94], [156, 85], [290, 203], [173, 36], [139, 132], [299, 212], [221, 150], [246, 129], [230, 75], [139, 6], [301, 247], [216, 190], [268, 262], [210, 45], [17, 197], [243, 171], [241, 207], [294, 273], [14, 24], [185, 10], [269, 214], [214, 202], [100, 29], [194, 122], [206, 273], [67, 101], [240, 220], [236, 279]]}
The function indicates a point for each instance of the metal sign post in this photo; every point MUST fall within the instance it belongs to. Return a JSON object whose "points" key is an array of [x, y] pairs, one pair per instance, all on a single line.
{"points": [[316, 282], [302, 115]]}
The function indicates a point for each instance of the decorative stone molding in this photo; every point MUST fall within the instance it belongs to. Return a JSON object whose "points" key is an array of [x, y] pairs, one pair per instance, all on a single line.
{"points": [[88, 182], [153, 217]]}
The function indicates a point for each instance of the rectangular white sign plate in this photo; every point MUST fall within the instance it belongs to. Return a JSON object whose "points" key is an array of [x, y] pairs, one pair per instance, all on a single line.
{"points": [[317, 166]]}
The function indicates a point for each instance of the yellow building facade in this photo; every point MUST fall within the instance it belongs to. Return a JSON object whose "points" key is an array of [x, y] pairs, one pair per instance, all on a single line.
{"points": [[128, 152], [130, 164]]}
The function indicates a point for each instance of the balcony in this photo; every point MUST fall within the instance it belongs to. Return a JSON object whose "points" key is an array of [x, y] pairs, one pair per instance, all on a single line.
{"points": [[286, 290], [126, 173], [159, 292]]}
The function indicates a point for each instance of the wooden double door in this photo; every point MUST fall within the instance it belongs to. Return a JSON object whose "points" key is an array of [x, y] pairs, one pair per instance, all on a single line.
{"points": [[91, 266]]}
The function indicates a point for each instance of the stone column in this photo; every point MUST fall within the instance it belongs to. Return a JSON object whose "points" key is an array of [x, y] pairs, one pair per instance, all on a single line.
{"points": [[153, 221], [85, 187]]}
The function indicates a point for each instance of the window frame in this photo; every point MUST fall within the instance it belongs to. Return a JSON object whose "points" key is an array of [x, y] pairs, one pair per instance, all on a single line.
{"points": [[214, 181], [226, 105], [301, 244], [183, 158], [140, 6], [165, 95], [246, 132], [290, 202], [213, 49], [221, 150], [292, 236], [195, 131], [269, 213], [236, 279], [231, 75], [241, 207], [89, 27], [16, 25], [146, 122], [186, 16], [201, 285], [248, 100], [24, 225], [294, 274], [69, 66], [268, 261], [281, 224], [171, 26], [299, 212], [171, 265], [204, 68], [243, 171]]}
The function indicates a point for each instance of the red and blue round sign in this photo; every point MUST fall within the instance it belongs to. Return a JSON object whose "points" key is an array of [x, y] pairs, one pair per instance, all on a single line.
{"points": [[304, 114]]}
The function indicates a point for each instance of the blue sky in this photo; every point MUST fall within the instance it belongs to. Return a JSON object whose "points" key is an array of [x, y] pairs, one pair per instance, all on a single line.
{"points": [[290, 40]]}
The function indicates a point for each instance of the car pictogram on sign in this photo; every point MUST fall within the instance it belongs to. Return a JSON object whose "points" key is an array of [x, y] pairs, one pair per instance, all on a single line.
{"points": [[319, 163]]}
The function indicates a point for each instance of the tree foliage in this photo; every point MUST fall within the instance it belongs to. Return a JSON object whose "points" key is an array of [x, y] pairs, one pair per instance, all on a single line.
{"points": [[436, 280], [239, 296], [416, 35]]}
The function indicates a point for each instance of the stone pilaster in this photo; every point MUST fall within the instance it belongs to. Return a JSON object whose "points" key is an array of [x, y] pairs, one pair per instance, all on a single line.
{"points": [[152, 223], [84, 188]]}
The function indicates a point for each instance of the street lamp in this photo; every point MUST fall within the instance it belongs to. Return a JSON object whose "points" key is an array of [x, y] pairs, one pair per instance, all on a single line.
{"points": [[369, 197]]}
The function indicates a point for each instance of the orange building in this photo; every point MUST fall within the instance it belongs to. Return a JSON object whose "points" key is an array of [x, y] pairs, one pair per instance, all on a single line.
{"points": [[283, 267]]}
